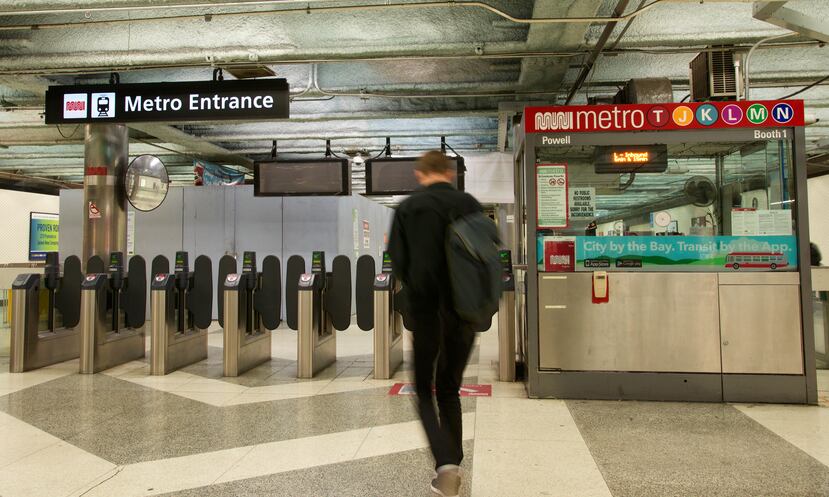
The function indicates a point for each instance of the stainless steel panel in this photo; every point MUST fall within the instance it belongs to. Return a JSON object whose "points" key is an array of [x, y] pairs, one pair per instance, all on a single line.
{"points": [[20, 320], [89, 317], [306, 335], [736, 278], [761, 329], [388, 337], [231, 339], [506, 337], [158, 332], [654, 322]]}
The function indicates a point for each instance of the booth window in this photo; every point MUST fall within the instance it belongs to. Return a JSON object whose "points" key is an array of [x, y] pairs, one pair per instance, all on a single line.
{"points": [[719, 205]]}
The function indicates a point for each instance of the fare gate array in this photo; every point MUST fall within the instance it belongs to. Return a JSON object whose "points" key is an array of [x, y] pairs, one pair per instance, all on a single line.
{"points": [[101, 317]]}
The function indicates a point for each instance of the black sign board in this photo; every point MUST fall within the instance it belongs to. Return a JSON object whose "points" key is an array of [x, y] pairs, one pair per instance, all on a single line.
{"points": [[233, 100], [302, 177], [616, 159], [395, 175]]}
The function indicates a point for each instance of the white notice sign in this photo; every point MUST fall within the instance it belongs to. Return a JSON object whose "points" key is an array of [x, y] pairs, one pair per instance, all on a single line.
{"points": [[551, 184], [582, 203], [753, 222]]}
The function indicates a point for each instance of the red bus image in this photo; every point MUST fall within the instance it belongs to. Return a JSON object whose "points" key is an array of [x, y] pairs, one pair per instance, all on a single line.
{"points": [[756, 260]]}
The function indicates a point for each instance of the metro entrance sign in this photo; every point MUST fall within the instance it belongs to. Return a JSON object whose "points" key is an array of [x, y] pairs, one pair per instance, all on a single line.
{"points": [[663, 117], [168, 102]]}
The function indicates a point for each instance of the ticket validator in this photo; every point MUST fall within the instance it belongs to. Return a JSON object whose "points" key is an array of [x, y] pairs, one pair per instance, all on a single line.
{"points": [[36, 343], [113, 311], [181, 312], [250, 309], [378, 298]]}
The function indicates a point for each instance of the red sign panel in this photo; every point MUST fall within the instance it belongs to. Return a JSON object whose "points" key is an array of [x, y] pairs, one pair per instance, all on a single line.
{"points": [[465, 391], [663, 117]]}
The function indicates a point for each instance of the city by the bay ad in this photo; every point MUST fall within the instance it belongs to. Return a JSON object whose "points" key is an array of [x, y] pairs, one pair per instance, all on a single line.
{"points": [[667, 253]]}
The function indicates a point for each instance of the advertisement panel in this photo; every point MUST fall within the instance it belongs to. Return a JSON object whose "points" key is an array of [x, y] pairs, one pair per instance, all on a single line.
{"points": [[677, 253], [43, 235]]}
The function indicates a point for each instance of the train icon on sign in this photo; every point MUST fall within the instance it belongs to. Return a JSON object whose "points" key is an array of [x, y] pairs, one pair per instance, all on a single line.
{"points": [[104, 105]]}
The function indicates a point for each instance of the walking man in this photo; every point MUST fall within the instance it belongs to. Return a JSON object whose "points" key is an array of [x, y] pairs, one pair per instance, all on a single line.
{"points": [[442, 342]]}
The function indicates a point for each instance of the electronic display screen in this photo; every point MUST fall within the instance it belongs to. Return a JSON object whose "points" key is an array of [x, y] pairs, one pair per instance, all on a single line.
{"points": [[302, 178], [181, 261], [116, 260], [615, 159], [395, 175], [248, 262], [318, 262], [506, 259], [386, 262]]}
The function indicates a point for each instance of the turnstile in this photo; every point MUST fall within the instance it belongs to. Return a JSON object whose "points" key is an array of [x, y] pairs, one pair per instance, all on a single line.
{"points": [[506, 321], [32, 345], [251, 305], [181, 312], [113, 311], [323, 307], [376, 296]]}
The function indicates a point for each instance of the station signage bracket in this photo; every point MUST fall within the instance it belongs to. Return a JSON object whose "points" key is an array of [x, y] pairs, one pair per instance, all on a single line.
{"points": [[235, 100]]}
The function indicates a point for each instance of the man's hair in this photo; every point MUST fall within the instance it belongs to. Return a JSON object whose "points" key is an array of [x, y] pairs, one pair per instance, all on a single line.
{"points": [[433, 162]]}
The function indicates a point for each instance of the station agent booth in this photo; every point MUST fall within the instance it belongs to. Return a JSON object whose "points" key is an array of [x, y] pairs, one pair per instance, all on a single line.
{"points": [[659, 250]]}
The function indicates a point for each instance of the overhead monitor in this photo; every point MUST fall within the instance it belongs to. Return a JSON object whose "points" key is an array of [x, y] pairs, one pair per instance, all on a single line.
{"points": [[395, 175], [615, 159], [306, 177]]}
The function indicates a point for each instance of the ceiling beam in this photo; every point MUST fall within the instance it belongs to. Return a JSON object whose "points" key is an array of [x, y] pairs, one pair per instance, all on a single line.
{"points": [[779, 15], [192, 144]]}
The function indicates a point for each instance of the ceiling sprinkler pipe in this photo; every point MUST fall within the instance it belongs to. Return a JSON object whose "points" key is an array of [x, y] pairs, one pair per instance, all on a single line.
{"points": [[304, 10], [747, 65]]}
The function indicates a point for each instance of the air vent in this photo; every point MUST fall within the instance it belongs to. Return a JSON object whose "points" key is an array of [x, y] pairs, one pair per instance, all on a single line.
{"points": [[715, 76]]}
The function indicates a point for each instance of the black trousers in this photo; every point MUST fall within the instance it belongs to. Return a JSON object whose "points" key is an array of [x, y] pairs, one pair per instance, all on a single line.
{"points": [[442, 345]]}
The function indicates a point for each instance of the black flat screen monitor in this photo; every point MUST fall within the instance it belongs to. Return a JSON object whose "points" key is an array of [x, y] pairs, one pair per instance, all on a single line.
{"points": [[309, 177], [395, 175]]}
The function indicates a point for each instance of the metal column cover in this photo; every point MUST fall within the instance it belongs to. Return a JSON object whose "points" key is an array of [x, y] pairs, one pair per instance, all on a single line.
{"points": [[308, 330], [106, 148], [21, 319], [160, 333], [506, 336]]}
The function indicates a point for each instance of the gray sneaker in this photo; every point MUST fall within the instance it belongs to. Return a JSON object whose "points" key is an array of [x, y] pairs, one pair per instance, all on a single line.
{"points": [[447, 483]]}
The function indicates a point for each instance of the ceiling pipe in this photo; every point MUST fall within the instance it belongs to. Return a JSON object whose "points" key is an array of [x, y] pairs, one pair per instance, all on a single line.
{"points": [[303, 10], [747, 64], [60, 64], [597, 49]]}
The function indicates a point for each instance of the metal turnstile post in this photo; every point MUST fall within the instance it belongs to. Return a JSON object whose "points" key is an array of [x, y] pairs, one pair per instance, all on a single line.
{"points": [[159, 331], [242, 350], [19, 329], [317, 338], [506, 336], [388, 326]]}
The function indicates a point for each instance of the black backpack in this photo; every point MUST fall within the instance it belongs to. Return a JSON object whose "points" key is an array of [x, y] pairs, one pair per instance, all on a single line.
{"points": [[474, 268]]}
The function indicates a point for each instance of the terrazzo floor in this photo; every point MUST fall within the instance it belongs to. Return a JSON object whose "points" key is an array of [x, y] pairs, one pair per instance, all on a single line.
{"points": [[125, 433]]}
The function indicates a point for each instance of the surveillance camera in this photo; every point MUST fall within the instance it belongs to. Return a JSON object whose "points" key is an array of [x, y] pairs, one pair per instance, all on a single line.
{"points": [[358, 160], [479, 49]]}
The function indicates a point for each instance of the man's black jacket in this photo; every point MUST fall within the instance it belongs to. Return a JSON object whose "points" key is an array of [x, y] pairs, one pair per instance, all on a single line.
{"points": [[418, 243]]}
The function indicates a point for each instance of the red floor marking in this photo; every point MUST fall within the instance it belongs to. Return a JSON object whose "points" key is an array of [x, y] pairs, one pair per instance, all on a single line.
{"points": [[466, 390]]}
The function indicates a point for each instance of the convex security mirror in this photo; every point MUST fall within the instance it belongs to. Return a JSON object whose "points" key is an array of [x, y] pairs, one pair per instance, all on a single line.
{"points": [[146, 182]]}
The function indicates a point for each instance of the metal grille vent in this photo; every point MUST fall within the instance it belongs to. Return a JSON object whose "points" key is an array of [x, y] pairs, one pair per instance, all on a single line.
{"points": [[723, 73]]}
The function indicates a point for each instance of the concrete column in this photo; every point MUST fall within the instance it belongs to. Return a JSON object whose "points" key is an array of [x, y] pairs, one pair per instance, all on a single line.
{"points": [[106, 153]]}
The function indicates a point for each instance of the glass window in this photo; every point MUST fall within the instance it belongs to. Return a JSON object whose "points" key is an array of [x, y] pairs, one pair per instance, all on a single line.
{"points": [[710, 202]]}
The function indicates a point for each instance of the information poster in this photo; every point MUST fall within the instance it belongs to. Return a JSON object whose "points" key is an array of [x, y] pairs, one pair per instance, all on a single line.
{"points": [[366, 235], [43, 235], [582, 203], [551, 204], [130, 233], [757, 222]]}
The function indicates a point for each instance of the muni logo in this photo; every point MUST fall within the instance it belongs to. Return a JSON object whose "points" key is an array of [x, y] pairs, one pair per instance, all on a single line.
{"points": [[553, 120]]}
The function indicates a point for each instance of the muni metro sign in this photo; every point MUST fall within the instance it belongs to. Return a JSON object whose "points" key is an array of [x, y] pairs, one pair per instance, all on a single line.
{"points": [[663, 117], [237, 100]]}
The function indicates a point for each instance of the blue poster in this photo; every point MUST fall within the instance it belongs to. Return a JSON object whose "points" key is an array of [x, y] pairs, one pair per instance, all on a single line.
{"points": [[209, 174], [687, 253], [43, 235]]}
